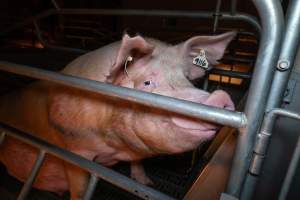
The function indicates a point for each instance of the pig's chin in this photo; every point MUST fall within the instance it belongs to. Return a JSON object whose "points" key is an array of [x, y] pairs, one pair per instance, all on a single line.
{"points": [[194, 127]]}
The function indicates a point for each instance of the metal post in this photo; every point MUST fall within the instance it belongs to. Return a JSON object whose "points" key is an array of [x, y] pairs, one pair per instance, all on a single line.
{"points": [[34, 172], [271, 15], [217, 15], [233, 7], [288, 52], [208, 113], [91, 187], [290, 44], [291, 172]]}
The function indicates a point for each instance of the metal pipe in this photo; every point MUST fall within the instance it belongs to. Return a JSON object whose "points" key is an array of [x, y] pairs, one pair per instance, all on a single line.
{"points": [[131, 12], [291, 172], [234, 74], [290, 44], [263, 138], [91, 187], [55, 4], [50, 46], [233, 7], [271, 15], [34, 172], [208, 113], [288, 52], [106, 174], [217, 14], [165, 13], [2, 137]]}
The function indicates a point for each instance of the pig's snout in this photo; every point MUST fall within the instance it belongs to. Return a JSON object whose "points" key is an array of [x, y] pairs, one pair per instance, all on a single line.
{"points": [[218, 98]]}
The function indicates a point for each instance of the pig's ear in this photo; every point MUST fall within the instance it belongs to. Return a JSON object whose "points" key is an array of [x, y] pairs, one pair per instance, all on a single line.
{"points": [[214, 47], [130, 46]]}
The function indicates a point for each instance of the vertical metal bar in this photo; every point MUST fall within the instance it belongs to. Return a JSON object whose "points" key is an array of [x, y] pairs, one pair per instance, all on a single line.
{"points": [[50, 46], [290, 173], [55, 4], [288, 52], [2, 137], [290, 45], [271, 15], [91, 187], [217, 15], [233, 7], [34, 172]]}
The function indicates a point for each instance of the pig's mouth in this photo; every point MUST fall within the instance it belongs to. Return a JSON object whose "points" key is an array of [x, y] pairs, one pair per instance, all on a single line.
{"points": [[193, 126]]}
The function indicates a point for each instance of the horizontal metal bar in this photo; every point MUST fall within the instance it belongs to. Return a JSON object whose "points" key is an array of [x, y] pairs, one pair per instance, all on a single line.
{"points": [[104, 173], [233, 74], [34, 172], [165, 13], [201, 111], [91, 187], [132, 12]]}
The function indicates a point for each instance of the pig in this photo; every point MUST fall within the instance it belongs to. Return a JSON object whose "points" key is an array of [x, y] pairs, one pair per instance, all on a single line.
{"points": [[105, 129]]}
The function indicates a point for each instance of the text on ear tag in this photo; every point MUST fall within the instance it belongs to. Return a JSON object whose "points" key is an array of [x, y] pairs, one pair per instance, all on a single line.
{"points": [[200, 60]]}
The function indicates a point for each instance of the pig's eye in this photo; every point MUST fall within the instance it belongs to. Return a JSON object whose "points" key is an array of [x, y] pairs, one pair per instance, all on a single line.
{"points": [[147, 83]]}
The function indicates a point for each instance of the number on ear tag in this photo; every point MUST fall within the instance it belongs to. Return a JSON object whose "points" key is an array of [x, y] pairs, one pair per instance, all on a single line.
{"points": [[201, 60]]}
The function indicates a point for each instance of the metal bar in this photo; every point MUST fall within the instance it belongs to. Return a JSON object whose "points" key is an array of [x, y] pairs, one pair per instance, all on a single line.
{"points": [[261, 147], [290, 45], [217, 14], [55, 4], [233, 74], [91, 187], [131, 12], [2, 137], [34, 172], [208, 113], [291, 172], [165, 13], [263, 138], [271, 15], [233, 7], [50, 46], [288, 52], [104, 173]]}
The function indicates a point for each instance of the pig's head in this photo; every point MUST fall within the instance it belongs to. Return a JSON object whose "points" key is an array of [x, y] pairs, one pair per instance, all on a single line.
{"points": [[152, 66]]}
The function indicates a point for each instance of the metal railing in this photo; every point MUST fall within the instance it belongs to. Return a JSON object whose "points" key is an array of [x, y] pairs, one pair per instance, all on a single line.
{"points": [[248, 123]]}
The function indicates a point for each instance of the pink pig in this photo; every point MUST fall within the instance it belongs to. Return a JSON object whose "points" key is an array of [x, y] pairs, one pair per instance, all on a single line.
{"points": [[109, 130]]}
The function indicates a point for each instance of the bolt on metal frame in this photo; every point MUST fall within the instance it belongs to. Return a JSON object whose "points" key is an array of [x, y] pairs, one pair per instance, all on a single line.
{"points": [[272, 20]]}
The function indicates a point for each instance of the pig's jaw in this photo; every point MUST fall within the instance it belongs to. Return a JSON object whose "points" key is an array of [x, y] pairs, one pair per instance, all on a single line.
{"points": [[194, 127]]}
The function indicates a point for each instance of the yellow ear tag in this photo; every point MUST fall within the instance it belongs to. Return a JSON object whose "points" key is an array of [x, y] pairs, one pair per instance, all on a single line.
{"points": [[200, 60]]}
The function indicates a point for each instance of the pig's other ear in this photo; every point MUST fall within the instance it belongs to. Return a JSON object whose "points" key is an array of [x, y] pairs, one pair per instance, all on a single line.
{"points": [[128, 47], [214, 47]]}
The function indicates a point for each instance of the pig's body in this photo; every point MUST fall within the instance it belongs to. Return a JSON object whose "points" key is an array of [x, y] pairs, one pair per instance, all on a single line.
{"points": [[109, 130]]}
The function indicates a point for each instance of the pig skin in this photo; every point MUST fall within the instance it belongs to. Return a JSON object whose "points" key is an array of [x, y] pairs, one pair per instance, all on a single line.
{"points": [[105, 129]]}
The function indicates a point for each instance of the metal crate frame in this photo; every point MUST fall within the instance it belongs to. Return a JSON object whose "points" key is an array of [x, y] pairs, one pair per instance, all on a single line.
{"points": [[276, 54]]}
